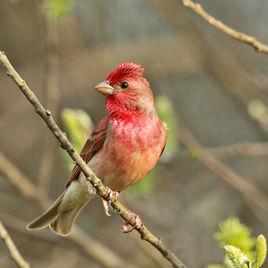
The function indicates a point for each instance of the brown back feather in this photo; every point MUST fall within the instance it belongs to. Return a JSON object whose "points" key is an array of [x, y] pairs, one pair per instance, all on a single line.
{"points": [[93, 144]]}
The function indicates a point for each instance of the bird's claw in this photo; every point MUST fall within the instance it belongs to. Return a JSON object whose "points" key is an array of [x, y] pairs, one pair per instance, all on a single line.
{"points": [[133, 223], [106, 207], [111, 195]]}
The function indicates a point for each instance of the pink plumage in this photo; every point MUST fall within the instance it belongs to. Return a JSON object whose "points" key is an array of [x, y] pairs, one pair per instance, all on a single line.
{"points": [[122, 149]]}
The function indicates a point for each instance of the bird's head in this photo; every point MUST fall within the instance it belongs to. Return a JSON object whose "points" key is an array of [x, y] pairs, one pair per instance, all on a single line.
{"points": [[127, 90]]}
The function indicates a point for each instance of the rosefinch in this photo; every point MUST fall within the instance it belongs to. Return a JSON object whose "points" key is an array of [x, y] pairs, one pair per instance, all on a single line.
{"points": [[122, 149]]}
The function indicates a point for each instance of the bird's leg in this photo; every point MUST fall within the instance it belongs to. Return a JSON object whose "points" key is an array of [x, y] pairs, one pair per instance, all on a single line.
{"points": [[133, 223], [112, 196], [106, 207]]}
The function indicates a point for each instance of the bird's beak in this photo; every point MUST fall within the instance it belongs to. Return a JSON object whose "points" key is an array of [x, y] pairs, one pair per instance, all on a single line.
{"points": [[104, 88]]}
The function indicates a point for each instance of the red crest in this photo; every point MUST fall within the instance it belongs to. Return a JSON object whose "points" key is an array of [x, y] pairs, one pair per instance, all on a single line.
{"points": [[125, 71]]}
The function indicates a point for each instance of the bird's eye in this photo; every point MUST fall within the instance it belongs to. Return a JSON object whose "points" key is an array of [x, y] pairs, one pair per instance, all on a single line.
{"points": [[124, 85]]}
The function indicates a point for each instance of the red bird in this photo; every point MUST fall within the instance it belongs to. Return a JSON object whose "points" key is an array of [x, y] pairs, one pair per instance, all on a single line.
{"points": [[122, 149]]}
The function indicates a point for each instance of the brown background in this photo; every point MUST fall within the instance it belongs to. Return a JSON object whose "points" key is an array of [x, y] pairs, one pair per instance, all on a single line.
{"points": [[209, 78]]}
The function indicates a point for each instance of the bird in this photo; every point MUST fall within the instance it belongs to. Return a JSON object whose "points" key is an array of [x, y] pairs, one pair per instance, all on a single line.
{"points": [[121, 150]]}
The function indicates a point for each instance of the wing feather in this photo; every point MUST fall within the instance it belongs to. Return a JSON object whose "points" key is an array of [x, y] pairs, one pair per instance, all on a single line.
{"points": [[93, 144]]}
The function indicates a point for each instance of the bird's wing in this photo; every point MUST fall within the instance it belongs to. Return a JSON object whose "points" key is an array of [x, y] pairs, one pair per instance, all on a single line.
{"points": [[93, 144]]}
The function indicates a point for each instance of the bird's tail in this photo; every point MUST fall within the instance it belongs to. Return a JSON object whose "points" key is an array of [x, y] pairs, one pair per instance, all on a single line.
{"points": [[60, 216], [63, 223]]}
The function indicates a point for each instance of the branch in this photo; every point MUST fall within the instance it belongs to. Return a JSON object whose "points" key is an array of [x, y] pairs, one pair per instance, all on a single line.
{"points": [[253, 149], [241, 148], [14, 253], [102, 190], [249, 40], [209, 157], [248, 190], [20, 181], [18, 225], [93, 248]]}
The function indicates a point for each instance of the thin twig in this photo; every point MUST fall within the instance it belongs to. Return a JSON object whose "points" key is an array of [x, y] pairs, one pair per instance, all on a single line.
{"points": [[14, 253], [243, 89], [18, 225], [183, 20], [238, 183], [241, 148], [102, 191], [87, 244], [249, 40], [20, 181], [52, 97], [236, 149]]}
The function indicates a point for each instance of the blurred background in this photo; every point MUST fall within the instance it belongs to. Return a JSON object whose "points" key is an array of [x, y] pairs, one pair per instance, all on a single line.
{"points": [[211, 90]]}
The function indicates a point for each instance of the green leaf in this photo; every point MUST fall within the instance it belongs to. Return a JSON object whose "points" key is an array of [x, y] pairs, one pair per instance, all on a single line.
{"points": [[57, 9], [238, 243], [261, 251], [233, 232], [216, 266], [235, 257], [258, 111], [166, 113], [195, 152], [78, 126]]}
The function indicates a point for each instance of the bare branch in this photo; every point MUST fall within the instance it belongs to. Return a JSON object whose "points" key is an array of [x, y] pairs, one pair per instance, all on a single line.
{"points": [[20, 181], [249, 40], [241, 148], [102, 191], [253, 149], [208, 157], [249, 191], [14, 253], [87, 244], [18, 225]]}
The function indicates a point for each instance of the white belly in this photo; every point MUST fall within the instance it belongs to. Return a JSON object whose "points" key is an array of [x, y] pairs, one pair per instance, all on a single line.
{"points": [[77, 193]]}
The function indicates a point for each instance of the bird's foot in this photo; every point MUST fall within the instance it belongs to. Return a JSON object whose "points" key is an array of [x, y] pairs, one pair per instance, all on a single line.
{"points": [[133, 223], [106, 207], [113, 196]]}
